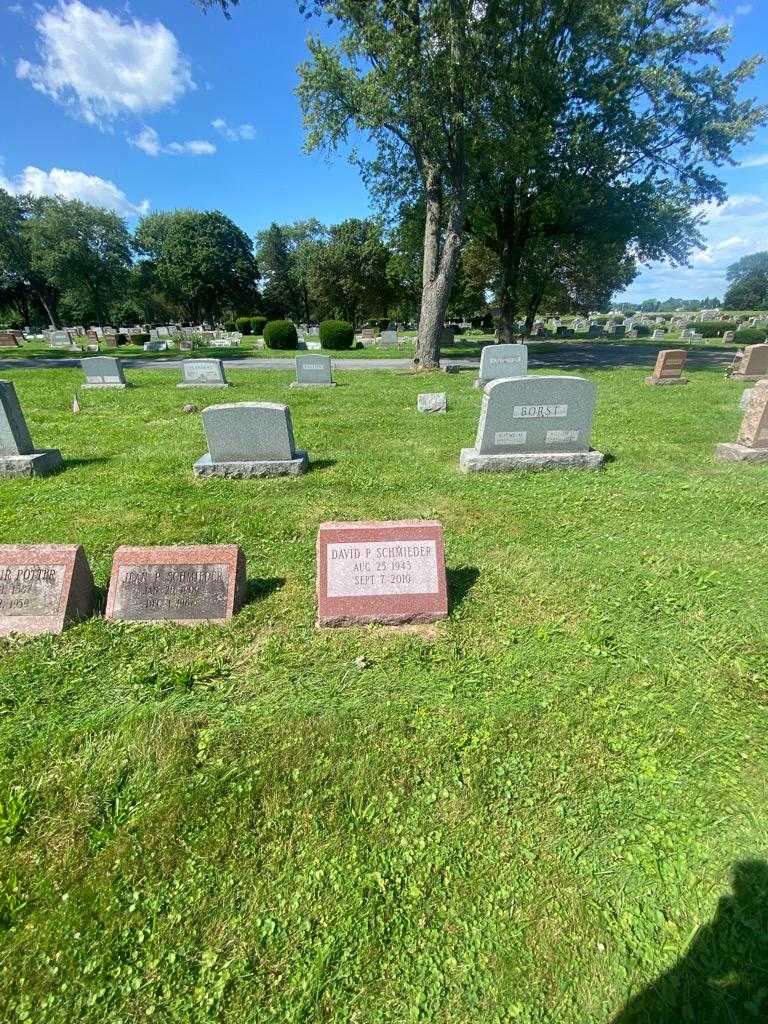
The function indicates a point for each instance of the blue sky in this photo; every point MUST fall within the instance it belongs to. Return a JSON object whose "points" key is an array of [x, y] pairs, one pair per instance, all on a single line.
{"points": [[207, 118]]}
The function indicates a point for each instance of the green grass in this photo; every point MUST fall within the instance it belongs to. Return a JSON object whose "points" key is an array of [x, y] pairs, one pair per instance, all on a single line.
{"points": [[529, 812]]}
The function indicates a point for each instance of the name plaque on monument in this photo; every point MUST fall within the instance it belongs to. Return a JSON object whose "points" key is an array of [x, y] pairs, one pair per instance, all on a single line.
{"points": [[205, 583], [386, 572], [42, 587]]}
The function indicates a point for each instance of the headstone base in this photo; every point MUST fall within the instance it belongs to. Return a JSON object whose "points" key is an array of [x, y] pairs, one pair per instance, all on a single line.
{"points": [[658, 381], [472, 461], [102, 387], [205, 467], [739, 453], [40, 463], [745, 376], [327, 384], [204, 385]]}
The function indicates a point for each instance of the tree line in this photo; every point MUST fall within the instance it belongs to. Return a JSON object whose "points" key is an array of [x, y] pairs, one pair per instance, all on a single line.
{"points": [[568, 142]]}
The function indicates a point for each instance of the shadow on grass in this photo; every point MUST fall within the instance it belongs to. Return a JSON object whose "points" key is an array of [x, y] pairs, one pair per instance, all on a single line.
{"points": [[723, 977], [460, 582], [258, 589], [318, 464], [97, 460]]}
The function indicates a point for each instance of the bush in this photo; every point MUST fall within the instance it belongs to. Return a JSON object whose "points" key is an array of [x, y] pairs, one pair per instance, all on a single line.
{"points": [[230, 325], [711, 328], [281, 334], [642, 331], [750, 335], [243, 324], [134, 339], [381, 325], [336, 334], [258, 324]]}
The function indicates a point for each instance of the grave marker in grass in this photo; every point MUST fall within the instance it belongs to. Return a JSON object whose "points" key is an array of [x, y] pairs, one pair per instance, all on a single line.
{"points": [[250, 439], [43, 587], [669, 367], [103, 372], [385, 572], [18, 456], [751, 444]]}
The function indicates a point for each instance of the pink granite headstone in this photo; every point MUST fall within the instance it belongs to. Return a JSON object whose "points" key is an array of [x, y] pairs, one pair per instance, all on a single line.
{"points": [[387, 572], [201, 584], [43, 587]]}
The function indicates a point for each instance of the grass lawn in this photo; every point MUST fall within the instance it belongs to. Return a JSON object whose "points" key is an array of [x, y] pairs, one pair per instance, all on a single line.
{"points": [[550, 804]]}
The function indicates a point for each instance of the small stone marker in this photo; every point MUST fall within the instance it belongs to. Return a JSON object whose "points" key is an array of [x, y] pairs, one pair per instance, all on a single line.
{"points": [[436, 401], [752, 442], [669, 367], [247, 439], [534, 423], [203, 373], [754, 363], [497, 361], [187, 585], [103, 372], [7, 340], [18, 456], [390, 572], [313, 372], [43, 587], [388, 339]]}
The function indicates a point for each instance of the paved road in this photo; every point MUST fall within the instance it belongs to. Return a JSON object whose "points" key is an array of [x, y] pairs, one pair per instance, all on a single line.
{"points": [[564, 357]]}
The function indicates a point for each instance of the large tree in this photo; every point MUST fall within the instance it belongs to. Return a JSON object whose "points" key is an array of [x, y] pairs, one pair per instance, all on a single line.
{"points": [[755, 263], [348, 272], [23, 288], [285, 253], [749, 291], [201, 261]]}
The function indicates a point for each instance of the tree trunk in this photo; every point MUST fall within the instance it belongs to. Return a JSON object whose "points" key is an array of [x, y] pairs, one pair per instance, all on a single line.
{"points": [[439, 270], [46, 307]]}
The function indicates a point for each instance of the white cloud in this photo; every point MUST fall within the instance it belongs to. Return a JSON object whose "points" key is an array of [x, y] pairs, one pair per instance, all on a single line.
{"points": [[736, 207], [234, 133], [755, 161], [148, 141], [103, 67], [742, 10], [74, 185]]}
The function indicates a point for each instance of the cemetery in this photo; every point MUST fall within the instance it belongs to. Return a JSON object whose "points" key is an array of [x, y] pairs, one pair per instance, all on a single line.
{"points": [[383, 475]]}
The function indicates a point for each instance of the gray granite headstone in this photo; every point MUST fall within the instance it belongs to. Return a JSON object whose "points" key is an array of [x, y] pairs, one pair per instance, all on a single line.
{"points": [[18, 456], [502, 361], [434, 401], [250, 439], [203, 373], [103, 372], [534, 423], [313, 371], [388, 339]]}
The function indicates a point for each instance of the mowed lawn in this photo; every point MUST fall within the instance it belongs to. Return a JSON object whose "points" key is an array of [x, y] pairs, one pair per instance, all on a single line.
{"points": [[548, 806]]}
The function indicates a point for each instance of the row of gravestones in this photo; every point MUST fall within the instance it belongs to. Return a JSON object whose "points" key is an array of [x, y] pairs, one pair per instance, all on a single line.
{"points": [[385, 572]]}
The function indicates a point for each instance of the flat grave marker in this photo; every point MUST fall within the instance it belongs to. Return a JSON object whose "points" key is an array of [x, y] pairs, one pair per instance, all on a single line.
{"points": [[204, 583], [434, 401], [386, 572], [534, 423], [313, 371], [43, 587], [669, 367], [18, 456], [103, 372], [250, 439], [203, 373]]}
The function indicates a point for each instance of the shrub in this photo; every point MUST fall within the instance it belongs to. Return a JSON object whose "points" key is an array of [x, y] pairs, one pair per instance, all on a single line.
{"points": [[281, 334], [381, 325], [243, 324], [230, 325], [135, 339], [711, 328], [642, 331], [336, 334], [258, 324], [750, 335]]}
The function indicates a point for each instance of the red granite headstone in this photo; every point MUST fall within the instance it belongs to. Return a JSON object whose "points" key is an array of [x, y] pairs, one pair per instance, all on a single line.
{"points": [[203, 583], [43, 587], [388, 572]]}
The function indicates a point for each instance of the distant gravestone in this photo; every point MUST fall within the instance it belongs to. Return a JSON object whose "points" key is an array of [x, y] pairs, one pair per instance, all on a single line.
{"points": [[60, 339], [754, 363], [367, 332], [188, 585], [498, 361], [43, 587], [18, 456], [448, 335], [385, 572], [752, 442], [658, 335], [8, 340], [388, 339], [534, 423], [202, 373], [669, 367], [250, 439], [155, 346], [436, 401], [313, 371], [595, 330], [729, 336], [103, 372]]}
